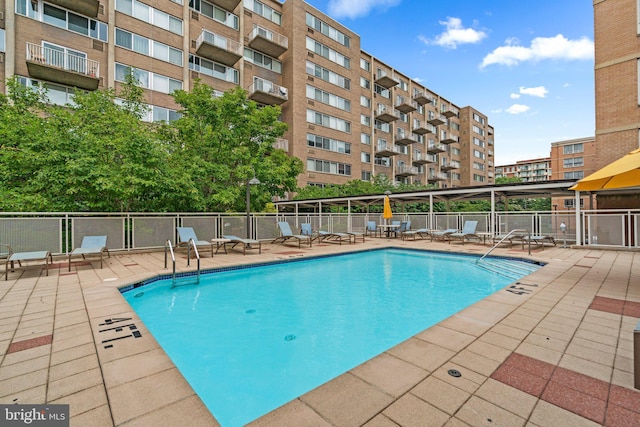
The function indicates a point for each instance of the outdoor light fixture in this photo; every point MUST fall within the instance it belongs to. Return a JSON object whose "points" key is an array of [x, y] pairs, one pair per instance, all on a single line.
{"points": [[563, 230], [252, 181]]}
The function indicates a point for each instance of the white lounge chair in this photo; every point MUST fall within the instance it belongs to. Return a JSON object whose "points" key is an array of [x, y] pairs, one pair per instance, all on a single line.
{"points": [[245, 243]]}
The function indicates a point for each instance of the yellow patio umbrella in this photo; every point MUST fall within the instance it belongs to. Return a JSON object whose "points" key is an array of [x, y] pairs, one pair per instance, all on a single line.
{"points": [[623, 173], [386, 212]]}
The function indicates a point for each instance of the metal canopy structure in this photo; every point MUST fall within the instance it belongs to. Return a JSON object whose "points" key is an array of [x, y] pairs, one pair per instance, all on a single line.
{"points": [[530, 190]]}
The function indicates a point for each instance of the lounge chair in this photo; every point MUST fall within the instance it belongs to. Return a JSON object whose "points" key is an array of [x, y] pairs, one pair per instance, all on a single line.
{"points": [[307, 230], [507, 238], [538, 240], [186, 233], [442, 234], [335, 237], [5, 251], [468, 231], [286, 234], [91, 245], [423, 233], [245, 243]]}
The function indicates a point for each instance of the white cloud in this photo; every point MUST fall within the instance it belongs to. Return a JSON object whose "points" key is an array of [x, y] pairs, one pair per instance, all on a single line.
{"points": [[566, 85], [357, 8], [517, 109], [539, 91], [558, 47], [514, 96], [455, 34]]}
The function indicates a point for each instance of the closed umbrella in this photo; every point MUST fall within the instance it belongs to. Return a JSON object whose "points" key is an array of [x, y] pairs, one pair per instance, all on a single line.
{"points": [[623, 173], [386, 212]]}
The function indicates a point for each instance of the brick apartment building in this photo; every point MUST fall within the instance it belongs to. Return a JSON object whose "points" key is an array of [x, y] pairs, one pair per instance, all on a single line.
{"points": [[534, 170], [573, 159], [617, 74], [350, 115]]}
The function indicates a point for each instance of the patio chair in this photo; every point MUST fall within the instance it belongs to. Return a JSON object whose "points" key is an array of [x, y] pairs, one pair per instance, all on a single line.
{"points": [[91, 245], [335, 237], [507, 238], [307, 230], [372, 228], [286, 234], [468, 232], [187, 233], [442, 234], [245, 243], [404, 227]]}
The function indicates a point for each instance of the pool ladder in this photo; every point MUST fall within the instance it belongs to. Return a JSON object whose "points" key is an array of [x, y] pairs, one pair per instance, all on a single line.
{"points": [[168, 248]]}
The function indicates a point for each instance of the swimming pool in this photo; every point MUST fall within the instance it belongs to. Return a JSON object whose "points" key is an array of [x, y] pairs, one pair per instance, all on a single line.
{"points": [[249, 340]]}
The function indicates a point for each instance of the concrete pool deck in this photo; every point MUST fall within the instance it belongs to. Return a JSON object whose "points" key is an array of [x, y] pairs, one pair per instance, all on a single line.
{"points": [[555, 349]]}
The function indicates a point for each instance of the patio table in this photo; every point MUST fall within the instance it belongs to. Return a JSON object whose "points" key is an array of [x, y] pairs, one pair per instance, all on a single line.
{"points": [[388, 228], [27, 256]]}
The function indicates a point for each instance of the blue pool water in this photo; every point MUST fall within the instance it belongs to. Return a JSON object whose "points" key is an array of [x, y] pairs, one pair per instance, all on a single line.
{"points": [[249, 340]]}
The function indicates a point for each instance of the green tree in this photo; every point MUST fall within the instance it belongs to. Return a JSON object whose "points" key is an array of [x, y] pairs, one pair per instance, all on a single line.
{"points": [[226, 141]]}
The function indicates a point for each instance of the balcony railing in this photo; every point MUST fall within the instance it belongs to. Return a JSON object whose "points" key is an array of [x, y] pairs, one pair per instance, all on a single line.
{"points": [[436, 147], [451, 164], [423, 158], [267, 41], [59, 66], [386, 114], [281, 144], [218, 48], [423, 98], [450, 111], [450, 139], [405, 105], [405, 170], [266, 92], [384, 148], [437, 176], [437, 119], [386, 80]]}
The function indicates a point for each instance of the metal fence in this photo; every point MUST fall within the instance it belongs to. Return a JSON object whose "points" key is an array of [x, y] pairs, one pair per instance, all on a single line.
{"points": [[59, 233]]}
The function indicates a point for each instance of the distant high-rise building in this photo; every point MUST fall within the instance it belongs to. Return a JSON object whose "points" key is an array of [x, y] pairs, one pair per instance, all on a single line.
{"points": [[534, 170], [350, 115]]}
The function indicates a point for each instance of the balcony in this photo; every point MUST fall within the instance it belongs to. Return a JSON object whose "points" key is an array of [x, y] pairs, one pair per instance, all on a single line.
{"points": [[437, 176], [405, 105], [451, 164], [423, 98], [218, 48], [422, 128], [490, 153], [266, 41], [281, 144], [450, 111], [229, 5], [436, 147], [450, 139], [268, 93], [83, 7], [421, 158], [404, 170], [386, 149], [385, 80], [404, 138], [436, 119], [386, 114], [57, 66]]}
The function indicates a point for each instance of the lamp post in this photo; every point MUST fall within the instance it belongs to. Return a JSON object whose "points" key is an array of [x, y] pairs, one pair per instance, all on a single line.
{"points": [[252, 181]]}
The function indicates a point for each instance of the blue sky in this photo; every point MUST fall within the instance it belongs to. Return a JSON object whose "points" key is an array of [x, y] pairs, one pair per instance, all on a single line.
{"points": [[526, 64]]}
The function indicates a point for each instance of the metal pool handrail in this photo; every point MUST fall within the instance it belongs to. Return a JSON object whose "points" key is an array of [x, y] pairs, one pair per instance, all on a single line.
{"points": [[505, 238]]}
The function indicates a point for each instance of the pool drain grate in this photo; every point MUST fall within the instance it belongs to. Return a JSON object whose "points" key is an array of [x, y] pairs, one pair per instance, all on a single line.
{"points": [[290, 338]]}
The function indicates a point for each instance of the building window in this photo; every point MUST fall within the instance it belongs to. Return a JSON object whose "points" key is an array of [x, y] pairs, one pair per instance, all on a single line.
{"points": [[150, 15], [573, 148], [380, 125], [147, 79], [382, 161], [365, 138], [477, 130], [328, 30], [365, 101], [262, 60], [328, 121], [478, 154], [328, 98], [328, 76], [325, 166], [329, 144], [479, 178], [478, 142], [365, 157], [404, 85], [575, 162], [382, 91], [2, 40], [365, 120], [213, 69], [365, 65], [479, 119], [63, 19], [571, 203], [328, 53], [365, 83], [148, 47], [263, 10], [574, 175], [365, 176], [214, 12], [54, 94]]}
